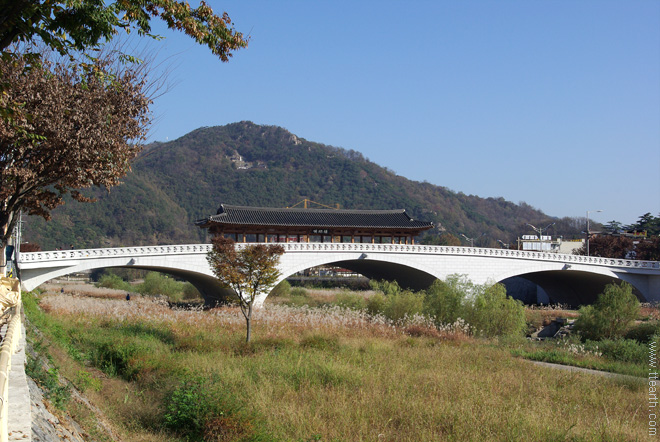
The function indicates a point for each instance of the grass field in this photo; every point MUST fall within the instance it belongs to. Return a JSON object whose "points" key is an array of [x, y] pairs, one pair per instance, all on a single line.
{"points": [[314, 374]]}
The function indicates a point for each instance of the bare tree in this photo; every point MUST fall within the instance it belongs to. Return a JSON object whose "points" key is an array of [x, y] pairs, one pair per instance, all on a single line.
{"points": [[249, 271]]}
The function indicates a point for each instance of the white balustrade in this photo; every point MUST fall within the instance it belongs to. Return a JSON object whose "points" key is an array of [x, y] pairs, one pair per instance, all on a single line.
{"points": [[339, 247]]}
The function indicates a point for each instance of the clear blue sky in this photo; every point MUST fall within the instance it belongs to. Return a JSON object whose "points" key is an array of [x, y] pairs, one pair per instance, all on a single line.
{"points": [[555, 103]]}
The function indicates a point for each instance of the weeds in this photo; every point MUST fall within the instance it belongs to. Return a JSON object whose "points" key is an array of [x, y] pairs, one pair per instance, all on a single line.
{"points": [[330, 373]]}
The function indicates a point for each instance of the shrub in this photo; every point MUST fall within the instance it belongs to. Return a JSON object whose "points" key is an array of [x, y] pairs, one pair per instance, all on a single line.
{"points": [[158, 284], [189, 292], [444, 301], [610, 316], [350, 300], [188, 408], [376, 304], [644, 331], [112, 281], [387, 288], [493, 313], [298, 291], [281, 289], [402, 305], [394, 303], [623, 350]]}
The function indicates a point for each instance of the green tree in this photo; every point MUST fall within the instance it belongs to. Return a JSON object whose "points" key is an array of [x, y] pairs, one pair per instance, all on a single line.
{"points": [[249, 271], [493, 313], [647, 223], [611, 315], [444, 300], [80, 25], [393, 302], [613, 226]]}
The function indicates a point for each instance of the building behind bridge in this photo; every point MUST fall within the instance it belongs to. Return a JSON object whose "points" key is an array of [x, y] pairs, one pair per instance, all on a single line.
{"points": [[265, 224]]}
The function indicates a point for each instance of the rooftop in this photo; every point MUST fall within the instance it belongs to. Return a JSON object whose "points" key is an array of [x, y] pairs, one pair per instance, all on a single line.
{"points": [[318, 218]]}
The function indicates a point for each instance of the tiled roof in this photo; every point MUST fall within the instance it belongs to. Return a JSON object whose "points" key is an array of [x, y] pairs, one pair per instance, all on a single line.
{"points": [[267, 216]]}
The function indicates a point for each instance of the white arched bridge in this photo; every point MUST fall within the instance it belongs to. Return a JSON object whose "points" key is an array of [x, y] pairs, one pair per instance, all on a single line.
{"points": [[565, 278]]}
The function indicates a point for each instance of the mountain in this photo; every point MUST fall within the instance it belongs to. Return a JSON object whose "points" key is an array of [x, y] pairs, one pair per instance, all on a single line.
{"points": [[175, 183]]}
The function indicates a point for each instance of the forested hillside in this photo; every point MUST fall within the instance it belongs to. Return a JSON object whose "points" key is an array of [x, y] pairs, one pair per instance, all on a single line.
{"points": [[173, 184]]}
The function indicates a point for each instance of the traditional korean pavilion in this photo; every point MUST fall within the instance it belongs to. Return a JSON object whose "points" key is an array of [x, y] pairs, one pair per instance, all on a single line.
{"points": [[266, 224]]}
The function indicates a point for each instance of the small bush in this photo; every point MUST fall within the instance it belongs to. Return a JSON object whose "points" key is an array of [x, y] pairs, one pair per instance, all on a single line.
{"points": [[281, 289], [623, 350], [112, 281], [158, 284], [444, 301], [85, 381], [198, 409], [298, 291], [610, 316], [188, 408], [402, 305], [189, 292], [644, 331], [350, 300], [493, 313], [394, 303], [376, 304]]}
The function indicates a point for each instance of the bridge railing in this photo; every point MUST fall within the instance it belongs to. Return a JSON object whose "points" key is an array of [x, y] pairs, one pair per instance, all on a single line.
{"points": [[472, 251], [77, 254], [55, 255]]}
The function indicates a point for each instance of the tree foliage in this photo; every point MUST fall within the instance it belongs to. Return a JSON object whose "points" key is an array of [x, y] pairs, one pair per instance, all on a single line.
{"points": [[445, 300], [493, 313], [611, 315], [69, 130], [67, 126], [607, 246], [80, 25], [249, 271]]}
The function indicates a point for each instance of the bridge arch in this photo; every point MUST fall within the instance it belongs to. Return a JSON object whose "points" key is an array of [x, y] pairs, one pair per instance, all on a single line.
{"points": [[187, 262], [574, 287], [415, 266], [408, 276]]}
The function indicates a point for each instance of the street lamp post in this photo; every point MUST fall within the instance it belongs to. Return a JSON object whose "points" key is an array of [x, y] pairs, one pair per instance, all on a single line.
{"points": [[540, 232], [471, 240], [588, 233]]}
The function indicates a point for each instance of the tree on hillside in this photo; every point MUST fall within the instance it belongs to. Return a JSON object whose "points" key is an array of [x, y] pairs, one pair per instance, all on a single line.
{"points": [[69, 130], [249, 271]]}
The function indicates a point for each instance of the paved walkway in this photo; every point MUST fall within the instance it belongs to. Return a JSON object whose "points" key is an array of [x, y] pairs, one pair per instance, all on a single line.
{"points": [[19, 423], [587, 370]]}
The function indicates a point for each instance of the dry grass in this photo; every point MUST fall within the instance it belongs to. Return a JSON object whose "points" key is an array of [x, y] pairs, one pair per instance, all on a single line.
{"points": [[336, 375]]}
